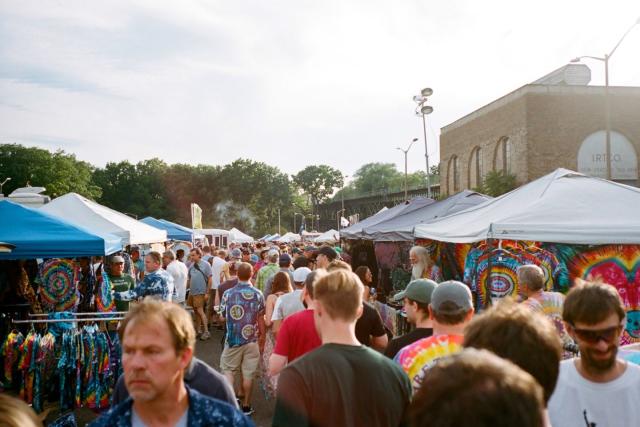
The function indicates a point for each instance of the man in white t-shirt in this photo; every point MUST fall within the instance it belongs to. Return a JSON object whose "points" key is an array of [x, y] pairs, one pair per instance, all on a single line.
{"points": [[290, 303], [597, 389], [180, 274], [217, 265]]}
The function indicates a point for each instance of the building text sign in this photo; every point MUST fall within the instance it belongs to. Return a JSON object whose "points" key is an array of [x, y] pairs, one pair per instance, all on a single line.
{"points": [[592, 157]]}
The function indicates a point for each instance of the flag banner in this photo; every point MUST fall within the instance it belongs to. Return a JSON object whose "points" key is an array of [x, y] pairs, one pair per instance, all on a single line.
{"points": [[196, 216]]}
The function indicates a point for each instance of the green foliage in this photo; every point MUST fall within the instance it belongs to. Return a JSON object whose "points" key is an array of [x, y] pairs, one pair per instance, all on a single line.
{"points": [[319, 182], [497, 183], [59, 172], [376, 178], [135, 189]]}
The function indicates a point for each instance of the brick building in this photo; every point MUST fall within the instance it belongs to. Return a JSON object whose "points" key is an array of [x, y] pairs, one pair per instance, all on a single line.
{"points": [[557, 121]]}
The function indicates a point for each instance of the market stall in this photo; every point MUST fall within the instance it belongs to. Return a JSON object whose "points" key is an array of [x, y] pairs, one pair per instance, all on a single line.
{"points": [[90, 215], [355, 231], [572, 225], [36, 234], [173, 233], [330, 236], [237, 236], [43, 282]]}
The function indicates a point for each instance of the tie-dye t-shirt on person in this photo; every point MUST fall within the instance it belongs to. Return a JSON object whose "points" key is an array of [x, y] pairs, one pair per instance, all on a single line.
{"points": [[241, 306], [416, 359]]}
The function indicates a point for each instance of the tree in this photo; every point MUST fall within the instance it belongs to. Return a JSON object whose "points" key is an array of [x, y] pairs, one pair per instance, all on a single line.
{"points": [[376, 177], [135, 189], [318, 182], [497, 183], [58, 172], [260, 188]]}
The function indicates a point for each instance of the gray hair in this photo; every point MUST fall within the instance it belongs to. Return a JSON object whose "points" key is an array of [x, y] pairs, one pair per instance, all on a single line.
{"points": [[422, 254], [170, 255]]}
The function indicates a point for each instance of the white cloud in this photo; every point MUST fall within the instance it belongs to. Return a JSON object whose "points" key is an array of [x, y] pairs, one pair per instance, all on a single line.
{"points": [[290, 83]]}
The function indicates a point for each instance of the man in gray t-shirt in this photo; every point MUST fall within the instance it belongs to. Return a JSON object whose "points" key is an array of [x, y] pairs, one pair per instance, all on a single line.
{"points": [[199, 283]]}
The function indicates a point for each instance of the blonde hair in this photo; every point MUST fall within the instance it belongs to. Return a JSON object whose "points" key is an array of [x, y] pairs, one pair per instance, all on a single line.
{"points": [[336, 264], [531, 276], [16, 413], [177, 319], [340, 293]]}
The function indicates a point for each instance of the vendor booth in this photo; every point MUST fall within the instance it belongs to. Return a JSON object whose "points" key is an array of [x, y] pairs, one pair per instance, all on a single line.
{"points": [[173, 232], [237, 236], [331, 236], [290, 238], [36, 234], [571, 225], [100, 219], [46, 279]]}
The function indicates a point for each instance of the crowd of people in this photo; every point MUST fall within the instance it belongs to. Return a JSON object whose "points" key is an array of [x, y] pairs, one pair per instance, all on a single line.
{"points": [[299, 320]]}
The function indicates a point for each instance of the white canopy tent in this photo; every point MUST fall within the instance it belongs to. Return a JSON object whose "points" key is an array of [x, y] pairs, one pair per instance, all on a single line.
{"points": [[331, 236], [562, 207], [237, 236], [290, 238], [102, 220]]}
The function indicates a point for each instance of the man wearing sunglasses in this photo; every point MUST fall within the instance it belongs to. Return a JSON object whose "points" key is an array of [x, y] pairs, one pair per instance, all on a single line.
{"points": [[597, 388]]}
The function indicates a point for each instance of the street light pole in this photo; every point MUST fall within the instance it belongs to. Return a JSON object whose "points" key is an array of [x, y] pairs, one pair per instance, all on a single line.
{"points": [[607, 99], [423, 109], [7, 179], [405, 166], [278, 220]]}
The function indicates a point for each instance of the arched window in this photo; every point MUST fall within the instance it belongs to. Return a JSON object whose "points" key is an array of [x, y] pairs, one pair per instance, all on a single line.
{"points": [[476, 169], [453, 175], [502, 156]]}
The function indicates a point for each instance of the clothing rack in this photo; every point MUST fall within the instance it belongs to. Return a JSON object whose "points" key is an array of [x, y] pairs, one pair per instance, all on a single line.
{"points": [[81, 314], [84, 319]]}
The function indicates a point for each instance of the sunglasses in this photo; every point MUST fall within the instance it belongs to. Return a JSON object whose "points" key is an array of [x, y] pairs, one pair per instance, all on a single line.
{"points": [[593, 336]]}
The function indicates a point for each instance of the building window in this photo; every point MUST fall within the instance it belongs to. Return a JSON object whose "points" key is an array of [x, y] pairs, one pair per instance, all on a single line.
{"points": [[476, 170], [502, 156], [453, 175]]}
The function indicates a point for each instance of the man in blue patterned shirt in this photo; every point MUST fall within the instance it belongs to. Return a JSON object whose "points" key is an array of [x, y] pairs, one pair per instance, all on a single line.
{"points": [[243, 309], [156, 282], [158, 342]]}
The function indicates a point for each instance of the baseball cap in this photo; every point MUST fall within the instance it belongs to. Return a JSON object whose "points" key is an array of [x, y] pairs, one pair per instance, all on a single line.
{"points": [[254, 258], [419, 290], [272, 252], [310, 248], [296, 251], [285, 259], [236, 253], [117, 259], [328, 252], [300, 275], [453, 292]]}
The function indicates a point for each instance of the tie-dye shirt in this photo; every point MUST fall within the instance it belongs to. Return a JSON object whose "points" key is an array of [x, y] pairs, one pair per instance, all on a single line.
{"points": [[417, 358], [241, 306]]}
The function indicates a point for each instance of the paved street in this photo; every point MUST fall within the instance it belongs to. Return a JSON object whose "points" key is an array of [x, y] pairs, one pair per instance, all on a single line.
{"points": [[210, 351]]}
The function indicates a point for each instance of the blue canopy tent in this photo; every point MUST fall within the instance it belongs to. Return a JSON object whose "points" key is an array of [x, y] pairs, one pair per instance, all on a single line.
{"points": [[36, 234], [173, 231], [196, 234]]}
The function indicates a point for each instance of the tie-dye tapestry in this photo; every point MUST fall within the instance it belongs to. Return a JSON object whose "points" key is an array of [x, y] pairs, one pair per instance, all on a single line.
{"points": [[503, 263], [618, 265]]}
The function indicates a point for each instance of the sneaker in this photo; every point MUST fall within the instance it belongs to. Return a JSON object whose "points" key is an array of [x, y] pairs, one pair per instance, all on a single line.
{"points": [[205, 336], [247, 410]]}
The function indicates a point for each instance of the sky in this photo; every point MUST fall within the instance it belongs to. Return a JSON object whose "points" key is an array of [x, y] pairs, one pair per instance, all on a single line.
{"points": [[290, 83]]}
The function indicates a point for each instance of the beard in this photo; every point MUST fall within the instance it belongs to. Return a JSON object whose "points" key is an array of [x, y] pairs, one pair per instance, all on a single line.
{"points": [[416, 271], [598, 365]]}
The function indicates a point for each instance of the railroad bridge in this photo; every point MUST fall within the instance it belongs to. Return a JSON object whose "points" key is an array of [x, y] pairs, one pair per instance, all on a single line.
{"points": [[366, 206]]}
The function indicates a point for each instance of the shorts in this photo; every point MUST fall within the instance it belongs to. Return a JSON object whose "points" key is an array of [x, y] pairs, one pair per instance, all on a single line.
{"points": [[197, 301], [245, 357]]}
